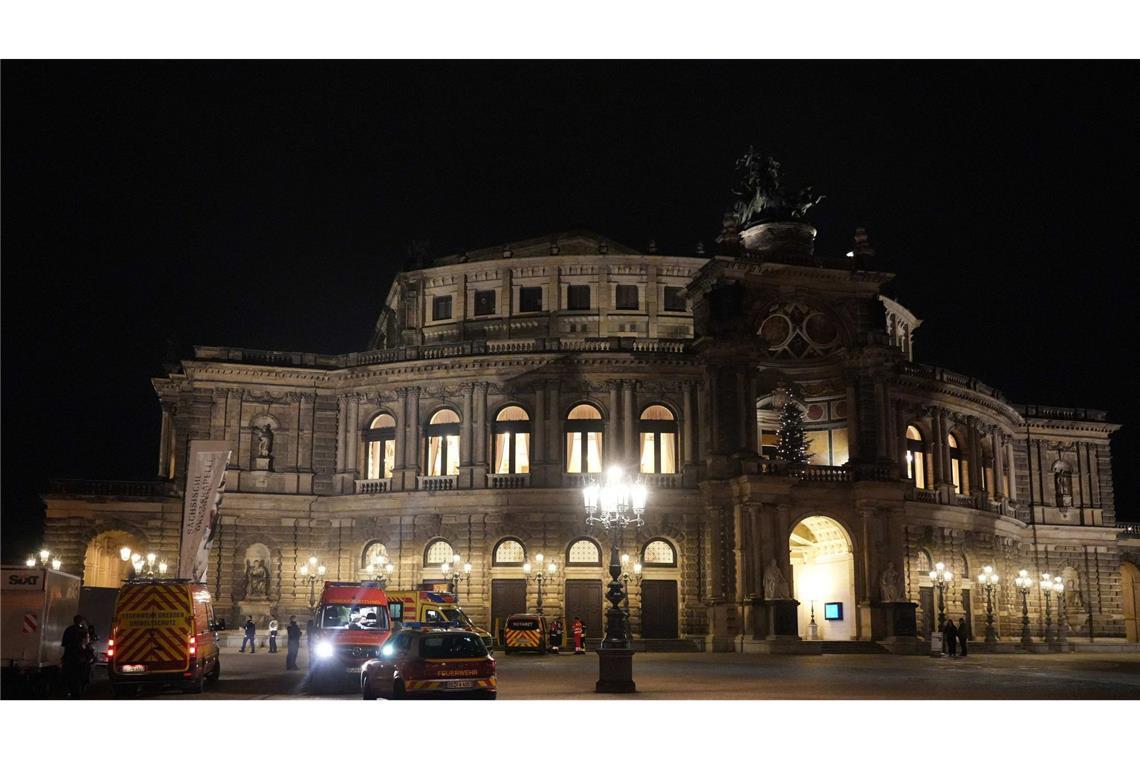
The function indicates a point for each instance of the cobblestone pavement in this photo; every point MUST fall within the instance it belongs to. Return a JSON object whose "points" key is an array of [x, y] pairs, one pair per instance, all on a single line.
{"points": [[737, 676]]}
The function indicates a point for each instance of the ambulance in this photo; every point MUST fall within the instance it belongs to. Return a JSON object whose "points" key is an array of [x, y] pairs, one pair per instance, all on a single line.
{"points": [[162, 635], [525, 632], [352, 625], [431, 607]]}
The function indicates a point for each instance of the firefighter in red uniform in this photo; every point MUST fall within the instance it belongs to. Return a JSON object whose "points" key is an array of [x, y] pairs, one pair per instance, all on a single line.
{"points": [[579, 632]]}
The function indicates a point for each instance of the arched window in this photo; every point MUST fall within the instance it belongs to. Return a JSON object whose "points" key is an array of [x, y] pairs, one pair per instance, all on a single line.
{"points": [[923, 563], [442, 433], [509, 552], [438, 552], [512, 441], [955, 462], [584, 551], [915, 457], [658, 430], [659, 553], [584, 431], [375, 554], [381, 439]]}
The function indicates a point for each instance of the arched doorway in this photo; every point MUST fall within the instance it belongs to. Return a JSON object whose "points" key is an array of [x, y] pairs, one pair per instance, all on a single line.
{"points": [[1130, 585], [823, 577], [102, 565]]}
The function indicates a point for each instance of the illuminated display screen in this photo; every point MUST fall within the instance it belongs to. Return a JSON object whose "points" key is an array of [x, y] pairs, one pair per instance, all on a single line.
{"points": [[833, 611]]}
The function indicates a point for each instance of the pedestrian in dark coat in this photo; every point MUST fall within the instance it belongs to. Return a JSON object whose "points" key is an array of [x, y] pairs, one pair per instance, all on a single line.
{"points": [[76, 666], [963, 634], [250, 629], [273, 636], [950, 638], [556, 635], [293, 643]]}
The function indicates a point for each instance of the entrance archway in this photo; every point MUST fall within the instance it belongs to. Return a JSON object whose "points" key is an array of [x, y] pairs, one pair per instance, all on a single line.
{"points": [[102, 566], [1130, 585], [823, 576]]}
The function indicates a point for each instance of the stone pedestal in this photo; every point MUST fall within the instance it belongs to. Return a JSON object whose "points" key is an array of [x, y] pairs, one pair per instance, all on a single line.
{"points": [[895, 626], [263, 463], [615, 672], [258, 609], [777, 629]]}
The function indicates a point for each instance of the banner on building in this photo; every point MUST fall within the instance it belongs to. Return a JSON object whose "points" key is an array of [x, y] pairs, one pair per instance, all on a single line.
{"points": [[205, 485]]}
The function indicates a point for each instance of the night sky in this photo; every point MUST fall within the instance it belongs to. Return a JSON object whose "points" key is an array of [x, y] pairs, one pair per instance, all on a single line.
{"points": [[269, 205]]}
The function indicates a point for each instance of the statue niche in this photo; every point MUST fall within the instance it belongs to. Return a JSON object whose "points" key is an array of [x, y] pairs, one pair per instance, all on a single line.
{"points": [[257, 575], [1063, 483], [263, 438]]}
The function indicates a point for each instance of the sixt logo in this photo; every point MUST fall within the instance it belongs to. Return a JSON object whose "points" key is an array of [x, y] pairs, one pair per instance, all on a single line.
{"points": [[21, 579]]}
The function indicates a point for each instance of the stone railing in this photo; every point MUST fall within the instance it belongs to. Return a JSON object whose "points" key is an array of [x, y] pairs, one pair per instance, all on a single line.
{"points": [[1060, 413], [579, 479], [127, 489], [965, 500], [954, 378], [925, 496], [662, 479], [374, 485], [437, 482], [508, 480], [1128, 529], [821, 473]]}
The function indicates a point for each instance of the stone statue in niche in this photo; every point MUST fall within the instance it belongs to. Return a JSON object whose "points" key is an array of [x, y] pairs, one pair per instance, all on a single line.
{"points": [[257, 578], [264, 441], [1063, 484], [775, 584], [889, 585]]}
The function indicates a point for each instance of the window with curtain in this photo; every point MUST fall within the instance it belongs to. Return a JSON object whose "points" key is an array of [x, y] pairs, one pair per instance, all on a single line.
{"points": [[584, 431], [437, 553], [380, 438], [658, 429], [583, 552], [442, 434], [915, 457], [955, 462], [509, 552], [659, 552], [828, 446], [512, 441]]}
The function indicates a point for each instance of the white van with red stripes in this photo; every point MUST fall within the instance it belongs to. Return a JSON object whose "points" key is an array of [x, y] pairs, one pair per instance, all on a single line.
{"points": [[163, 636]]}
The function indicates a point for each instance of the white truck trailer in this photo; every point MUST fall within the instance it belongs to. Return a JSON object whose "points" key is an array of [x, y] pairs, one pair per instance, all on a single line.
{"points": [[36, 606]]}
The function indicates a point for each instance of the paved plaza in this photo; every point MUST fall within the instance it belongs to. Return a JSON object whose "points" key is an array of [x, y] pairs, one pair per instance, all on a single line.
{"points": [[737, 676]]}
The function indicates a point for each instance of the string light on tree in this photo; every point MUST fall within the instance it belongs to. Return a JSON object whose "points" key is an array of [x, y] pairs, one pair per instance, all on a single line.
{"points": [[791, 441]]}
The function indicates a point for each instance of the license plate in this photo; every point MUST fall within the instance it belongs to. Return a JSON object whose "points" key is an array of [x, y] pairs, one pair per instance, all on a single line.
{"points": [[354, 670], [133, 668], [459, 685]]}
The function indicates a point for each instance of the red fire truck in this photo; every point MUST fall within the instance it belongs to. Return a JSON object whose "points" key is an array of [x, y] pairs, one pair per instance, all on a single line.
{"points": [[352, 625]]}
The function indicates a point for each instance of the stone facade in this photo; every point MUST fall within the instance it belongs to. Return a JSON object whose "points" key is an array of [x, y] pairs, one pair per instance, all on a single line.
{"points": [[552, 323]]}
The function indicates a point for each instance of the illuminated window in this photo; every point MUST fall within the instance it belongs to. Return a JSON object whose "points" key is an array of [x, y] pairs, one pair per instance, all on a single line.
{"points": [[584, 431], [381, 440], [512, 441], [828, 447], [955, 462], [915, 457], [583, 552], [375, 554], [442, 434], [659, 552], [438, 552], [509, 552], [658, 430]]}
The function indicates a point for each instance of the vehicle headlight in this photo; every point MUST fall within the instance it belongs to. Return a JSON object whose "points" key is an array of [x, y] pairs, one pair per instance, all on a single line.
{"points": [[324, 650], [387, 650]]}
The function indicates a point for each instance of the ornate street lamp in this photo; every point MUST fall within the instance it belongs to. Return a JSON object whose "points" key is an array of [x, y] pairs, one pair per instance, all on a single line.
{"points": [[312, 573], [540, 576], [941, 577], [627, 576], [1024, 583], [45, 558], [1046, 589], [614, 503], [1062, 623], [380, 572], [149, 566], [989, 579], [451, 571]]}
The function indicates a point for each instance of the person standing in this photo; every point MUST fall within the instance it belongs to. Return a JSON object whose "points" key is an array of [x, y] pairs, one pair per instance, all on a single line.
{"points": [[950, 638], [292, 643], [963, 634], [273, 636], [250, 629], [579, 632], [74, 660], [556, 635]]}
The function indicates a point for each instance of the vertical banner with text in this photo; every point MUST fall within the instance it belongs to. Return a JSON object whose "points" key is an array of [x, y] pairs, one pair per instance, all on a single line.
{"points": [[205, 485]]}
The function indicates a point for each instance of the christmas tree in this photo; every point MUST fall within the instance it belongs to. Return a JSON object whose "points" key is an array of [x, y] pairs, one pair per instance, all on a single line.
{"points": [[791, 443]]}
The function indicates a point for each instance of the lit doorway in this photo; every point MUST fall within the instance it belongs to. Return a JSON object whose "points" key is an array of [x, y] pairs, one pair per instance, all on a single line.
{"points": [[102, 565], [823, 577]]}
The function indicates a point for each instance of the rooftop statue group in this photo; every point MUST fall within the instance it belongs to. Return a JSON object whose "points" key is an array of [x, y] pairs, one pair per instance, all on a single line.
{"points": [[763, 195]]}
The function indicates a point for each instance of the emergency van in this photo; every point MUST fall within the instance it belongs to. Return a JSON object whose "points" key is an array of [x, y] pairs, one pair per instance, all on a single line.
{"points": [[162, 636], [432, 607], [525, 632], [352, 625]]}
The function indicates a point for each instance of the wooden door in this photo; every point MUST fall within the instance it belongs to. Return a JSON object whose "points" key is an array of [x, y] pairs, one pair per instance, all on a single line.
{"points": [[659, 609], [508, 596], [584, 600], [926, 601], [967, 607]]}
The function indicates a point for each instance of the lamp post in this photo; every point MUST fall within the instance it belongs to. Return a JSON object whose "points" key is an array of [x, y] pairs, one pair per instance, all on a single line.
{"points": [[627, 576], [1062, 622], [149, 566], [1047, 589], [614, 503], [45, 559], [380, 572], [988, 579], [540, 576], [941, 577], [312, 573], [1024, 583], [451, 571]]}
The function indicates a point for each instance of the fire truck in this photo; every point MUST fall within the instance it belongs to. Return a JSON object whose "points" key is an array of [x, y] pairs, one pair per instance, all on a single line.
{"points": [[352, 625]]}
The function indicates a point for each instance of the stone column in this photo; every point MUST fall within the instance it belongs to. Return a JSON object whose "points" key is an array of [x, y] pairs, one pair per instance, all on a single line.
{"points": [[854, 451], [401, 428], [941, 454], [554, 430], [742, 410], [466, 427], [612, 452], [413, 438], [164, 444], [538, 442], [353, 434], [479, 415], [998, 486], [689, 423], [341, 427], [1011, 489], [629, 426]]}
